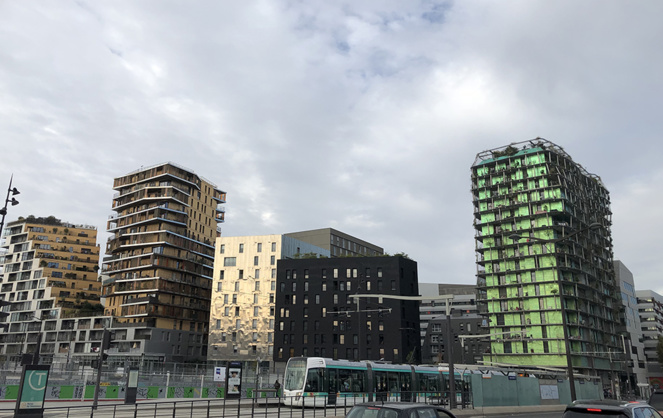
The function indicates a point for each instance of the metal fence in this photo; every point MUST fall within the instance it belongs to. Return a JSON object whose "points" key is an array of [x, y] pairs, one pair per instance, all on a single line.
{"points": [[217, 408]]}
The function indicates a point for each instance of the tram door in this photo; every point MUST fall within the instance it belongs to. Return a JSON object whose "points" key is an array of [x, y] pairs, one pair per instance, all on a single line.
{"points": [[406, 387], [332, 386]]}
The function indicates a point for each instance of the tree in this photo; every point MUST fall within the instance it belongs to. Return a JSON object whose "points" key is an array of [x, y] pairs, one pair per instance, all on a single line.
{"points": [[659, 349]]}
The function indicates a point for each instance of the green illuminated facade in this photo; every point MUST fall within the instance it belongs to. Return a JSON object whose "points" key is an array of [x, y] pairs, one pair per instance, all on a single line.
{"points": [[539, 264]]}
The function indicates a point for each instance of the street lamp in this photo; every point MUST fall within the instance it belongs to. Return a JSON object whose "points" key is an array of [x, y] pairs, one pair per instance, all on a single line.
{"points": [[565, 327], [13, 192]]}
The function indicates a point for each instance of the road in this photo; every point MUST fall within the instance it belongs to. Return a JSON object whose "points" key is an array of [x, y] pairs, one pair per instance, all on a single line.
{"points": [[219, 409], [555, 414]]}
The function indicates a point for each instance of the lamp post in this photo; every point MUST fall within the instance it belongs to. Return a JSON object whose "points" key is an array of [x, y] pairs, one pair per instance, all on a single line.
{"points": [[565, 323], [13, 192]]}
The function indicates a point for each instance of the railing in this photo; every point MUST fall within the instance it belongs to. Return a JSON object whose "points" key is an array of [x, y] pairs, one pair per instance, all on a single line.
{"points": [[262, 405]]}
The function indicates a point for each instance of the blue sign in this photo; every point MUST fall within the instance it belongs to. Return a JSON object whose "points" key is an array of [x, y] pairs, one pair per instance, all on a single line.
{"points": [[32, 391]]}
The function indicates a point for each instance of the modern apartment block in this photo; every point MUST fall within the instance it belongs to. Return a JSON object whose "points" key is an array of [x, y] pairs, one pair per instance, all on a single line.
{"points": [[465, 320], [633, 372], [244, 294], [545, 275], [650, 309], [160, 258], [49, 273], [338, 243], [316, 315]]}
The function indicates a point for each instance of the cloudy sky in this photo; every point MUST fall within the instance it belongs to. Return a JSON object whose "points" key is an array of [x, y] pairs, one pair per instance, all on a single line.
{"points": [[364, 116]]}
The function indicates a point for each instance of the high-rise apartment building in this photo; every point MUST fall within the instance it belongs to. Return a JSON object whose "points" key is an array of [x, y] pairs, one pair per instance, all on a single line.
{"points": [[244, 294], [633, 372], [650, 310], [545, 276], [316, 315], [160, 258], [49, 273]]}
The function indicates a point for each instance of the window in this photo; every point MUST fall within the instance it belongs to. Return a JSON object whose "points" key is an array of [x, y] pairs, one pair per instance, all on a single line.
{"points": [[256, 260], [241, 274], [222, 248], [273, 247], [257, 287], [273, 274], [272, 260], [379, 271], [218, 324], [229, 261], [259, 247], [256, 274], [241, 248], [219, 287], [221, 274], [254, 324]]}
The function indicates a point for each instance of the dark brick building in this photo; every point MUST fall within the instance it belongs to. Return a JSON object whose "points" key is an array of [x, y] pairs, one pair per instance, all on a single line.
{"points": [[316, 315]]}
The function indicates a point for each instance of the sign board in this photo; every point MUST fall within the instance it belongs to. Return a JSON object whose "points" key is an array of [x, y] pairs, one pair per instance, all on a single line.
{"points": [[132, 386], [219, 374], [234, 380], [32, 390]]}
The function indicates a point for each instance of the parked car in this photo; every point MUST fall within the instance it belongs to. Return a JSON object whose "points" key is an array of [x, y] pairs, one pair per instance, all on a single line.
{"points": [[656, 400], [610, 408], [398, 410]]}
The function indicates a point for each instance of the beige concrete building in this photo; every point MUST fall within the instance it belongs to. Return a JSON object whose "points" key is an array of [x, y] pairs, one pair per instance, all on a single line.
{"points": [[49, 273], [244, 291]]}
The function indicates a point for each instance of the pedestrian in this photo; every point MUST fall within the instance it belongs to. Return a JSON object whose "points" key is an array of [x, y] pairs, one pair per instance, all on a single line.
{"points": [[277, 385]]}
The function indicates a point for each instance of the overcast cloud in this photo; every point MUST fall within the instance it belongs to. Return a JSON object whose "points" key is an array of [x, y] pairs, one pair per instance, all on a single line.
{"points": [[361, 116]]}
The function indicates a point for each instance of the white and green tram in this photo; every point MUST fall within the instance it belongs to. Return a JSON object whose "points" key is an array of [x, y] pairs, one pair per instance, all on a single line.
{"points": [[319, 382]]}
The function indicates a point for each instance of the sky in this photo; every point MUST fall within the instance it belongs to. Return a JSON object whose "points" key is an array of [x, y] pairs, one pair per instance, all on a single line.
{"points": [[361, 116]]}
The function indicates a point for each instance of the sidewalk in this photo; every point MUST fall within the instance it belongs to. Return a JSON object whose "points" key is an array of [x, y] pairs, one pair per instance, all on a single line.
{"points": [[8, 406]]}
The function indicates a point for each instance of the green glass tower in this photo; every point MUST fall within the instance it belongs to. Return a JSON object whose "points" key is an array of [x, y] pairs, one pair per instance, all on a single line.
{"points": [[545, 277]]}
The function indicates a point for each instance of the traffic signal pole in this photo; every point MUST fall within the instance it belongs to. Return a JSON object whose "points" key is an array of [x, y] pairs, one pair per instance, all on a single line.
{"points": [[105, 343]]}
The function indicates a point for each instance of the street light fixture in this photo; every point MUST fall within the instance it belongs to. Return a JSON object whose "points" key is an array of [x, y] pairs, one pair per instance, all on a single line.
{"points": [[13, 192], [567, 344]]}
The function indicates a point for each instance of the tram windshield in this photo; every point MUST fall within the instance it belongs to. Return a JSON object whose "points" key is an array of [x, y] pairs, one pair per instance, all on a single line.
{"points": [[295, 374]]}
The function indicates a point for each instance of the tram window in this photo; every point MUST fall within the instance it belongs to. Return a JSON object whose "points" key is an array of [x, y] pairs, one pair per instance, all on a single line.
{"points": [[392, 382], [314, 380], [381, 382]]}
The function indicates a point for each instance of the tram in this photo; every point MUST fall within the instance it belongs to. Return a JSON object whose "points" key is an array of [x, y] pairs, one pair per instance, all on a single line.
{"points": [[319, 382]]}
